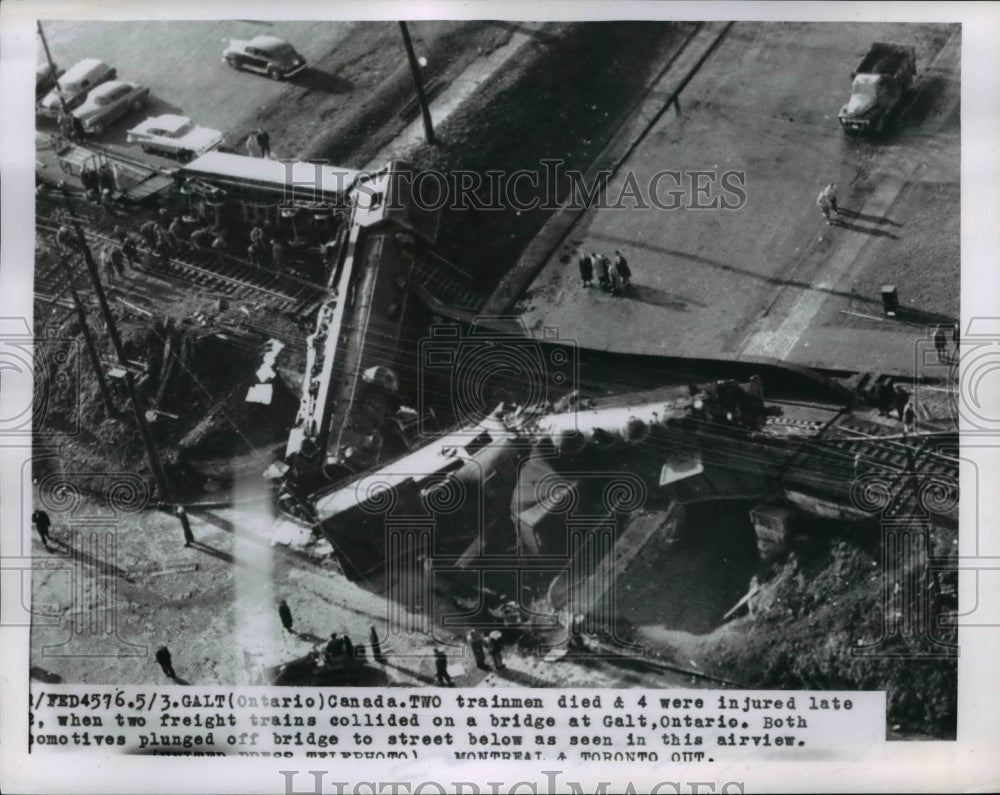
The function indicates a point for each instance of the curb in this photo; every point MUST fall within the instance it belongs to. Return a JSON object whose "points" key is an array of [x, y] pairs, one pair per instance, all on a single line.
{"points": [[544, 245]]}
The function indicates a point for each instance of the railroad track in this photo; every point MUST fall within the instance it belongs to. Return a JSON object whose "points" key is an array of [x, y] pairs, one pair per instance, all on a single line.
{"points": [[226, 277]]}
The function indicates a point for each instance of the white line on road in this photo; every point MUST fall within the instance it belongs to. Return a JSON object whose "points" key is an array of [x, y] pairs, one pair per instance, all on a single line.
{"points": [[779, 342]]}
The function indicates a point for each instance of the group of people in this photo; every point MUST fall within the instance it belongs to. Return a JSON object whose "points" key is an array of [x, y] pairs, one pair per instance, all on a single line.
{"points": [[99, 183], [259, 144], [167, 235], [613, 276], [71, 127], [893, 397], [481, 645]]}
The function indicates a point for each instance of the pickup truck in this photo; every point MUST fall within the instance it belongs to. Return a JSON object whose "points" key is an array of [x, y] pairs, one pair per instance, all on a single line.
{"points": [[880, 82]]}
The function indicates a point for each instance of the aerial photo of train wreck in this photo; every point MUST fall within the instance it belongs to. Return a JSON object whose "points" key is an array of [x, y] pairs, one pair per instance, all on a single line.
{"points": [[488, 354]]}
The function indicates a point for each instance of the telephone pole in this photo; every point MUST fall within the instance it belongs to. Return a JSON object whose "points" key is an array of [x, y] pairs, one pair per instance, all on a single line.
{"points": [[88, 338], [52, 66], [152, 454], [418, 83]]}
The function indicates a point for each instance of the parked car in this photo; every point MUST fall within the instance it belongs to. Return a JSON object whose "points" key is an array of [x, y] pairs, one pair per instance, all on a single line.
{"points": [[45, 78], [174, 135], [110, 101], [75, 83], [268, 55]]}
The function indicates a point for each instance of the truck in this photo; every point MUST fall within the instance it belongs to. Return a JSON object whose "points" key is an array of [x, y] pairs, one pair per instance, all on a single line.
{"points": [[880, 82]]}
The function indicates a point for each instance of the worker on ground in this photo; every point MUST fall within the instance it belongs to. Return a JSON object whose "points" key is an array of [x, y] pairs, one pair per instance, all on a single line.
{"points": [[478, 646], [165, 661], [586, 270], [373, 641], [285, 614], [494, 645], [827, 201], [441, 668]]}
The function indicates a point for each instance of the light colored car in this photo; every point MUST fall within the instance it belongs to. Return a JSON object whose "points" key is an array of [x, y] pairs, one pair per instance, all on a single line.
{"points": [[46, 75], [75, 83], [268, 55], [174, 135], [110, 101]]}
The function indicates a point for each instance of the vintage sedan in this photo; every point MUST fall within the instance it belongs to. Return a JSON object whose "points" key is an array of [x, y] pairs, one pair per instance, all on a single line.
{"points": [[174, 135], [73, 85], [46, 75], [108, 102], [267, 55]]}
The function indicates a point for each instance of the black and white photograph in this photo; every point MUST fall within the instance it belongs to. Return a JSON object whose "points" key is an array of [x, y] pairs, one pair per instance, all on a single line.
{"points": [[420, 385]]}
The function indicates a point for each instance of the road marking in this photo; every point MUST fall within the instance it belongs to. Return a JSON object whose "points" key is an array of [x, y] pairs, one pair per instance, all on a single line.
{"points": [[778, 343]]}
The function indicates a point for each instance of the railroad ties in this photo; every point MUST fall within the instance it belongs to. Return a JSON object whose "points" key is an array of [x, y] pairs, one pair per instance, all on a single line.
{"points": [[280, 303]]}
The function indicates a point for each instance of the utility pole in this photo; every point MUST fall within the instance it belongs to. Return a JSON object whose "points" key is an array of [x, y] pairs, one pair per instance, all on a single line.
{"points": [[152, 454], [418, 84], [95, 357], [52, 66]]}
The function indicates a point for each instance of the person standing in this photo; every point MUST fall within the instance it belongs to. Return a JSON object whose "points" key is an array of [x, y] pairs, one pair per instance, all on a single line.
{"points": [[129, 249], [586, 269], [886, 396], [255, 254], [116, 260], [65, 240], [285, 614], [603, 270], [940, 344], [375, 643], [441, 668], [264, 142], [277, 255], [621, 265], [476, 644], [178, 231], [335, 647], [106, 266], [182, 517], [221, 247], [348, 648], [827, 201], [42, 524], [901, 399], [494, 645], [616, 280], [253, 147], [165, 661]]}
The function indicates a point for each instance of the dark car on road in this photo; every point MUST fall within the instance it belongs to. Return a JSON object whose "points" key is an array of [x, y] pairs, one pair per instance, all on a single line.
{"points": [[268, 55]]}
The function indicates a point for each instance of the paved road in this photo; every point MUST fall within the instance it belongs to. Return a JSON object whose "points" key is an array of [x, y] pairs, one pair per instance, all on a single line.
{"points": [[181, 61], [762, 280]]}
